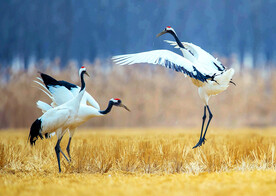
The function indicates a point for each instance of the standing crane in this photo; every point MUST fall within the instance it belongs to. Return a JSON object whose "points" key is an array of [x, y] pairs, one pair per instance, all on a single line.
{"points": [[61, 92], [206, 72], [58, 119]]}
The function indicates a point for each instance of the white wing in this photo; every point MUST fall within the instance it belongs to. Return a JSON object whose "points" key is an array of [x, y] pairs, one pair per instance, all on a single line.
{"points": [[60, 94], [167, 59], [42, 87], [87, 98], [203, 58], [186, 45], [43, 106]]}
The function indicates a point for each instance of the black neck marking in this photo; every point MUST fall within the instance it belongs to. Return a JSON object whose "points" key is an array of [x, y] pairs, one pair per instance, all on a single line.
{"points": [[177, 40], [108, 109], [82, 81]]}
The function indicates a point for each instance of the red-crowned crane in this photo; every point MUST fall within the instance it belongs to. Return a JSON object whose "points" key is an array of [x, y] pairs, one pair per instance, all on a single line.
{"points": [[206, 72], [58, 119], [61, 92]]}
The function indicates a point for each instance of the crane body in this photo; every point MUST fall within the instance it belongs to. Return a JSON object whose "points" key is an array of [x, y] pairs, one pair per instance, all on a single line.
{"points": [[58, 119], [205, 71]]}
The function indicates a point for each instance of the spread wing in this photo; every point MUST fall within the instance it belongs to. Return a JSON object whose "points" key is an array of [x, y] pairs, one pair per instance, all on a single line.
{"points": [[167, 59], [202, 57], [63, 91], [60, 94]]}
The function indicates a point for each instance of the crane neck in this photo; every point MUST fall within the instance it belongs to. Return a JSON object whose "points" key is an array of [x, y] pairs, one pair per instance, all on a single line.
{"points": [[177, 40], [108, 109], [81, 92], [82, 82]]}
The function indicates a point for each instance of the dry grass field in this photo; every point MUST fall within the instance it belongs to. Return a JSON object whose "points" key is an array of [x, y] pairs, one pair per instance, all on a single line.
{"points": [[142, 162]]}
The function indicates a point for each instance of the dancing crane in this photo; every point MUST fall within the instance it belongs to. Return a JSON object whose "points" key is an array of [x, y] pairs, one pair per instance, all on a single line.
{"points": [[58, 119], [206, 72], [61, 92]]}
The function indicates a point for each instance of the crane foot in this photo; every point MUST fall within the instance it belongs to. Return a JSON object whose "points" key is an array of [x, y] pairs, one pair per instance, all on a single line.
{"points": [[200, 142]]}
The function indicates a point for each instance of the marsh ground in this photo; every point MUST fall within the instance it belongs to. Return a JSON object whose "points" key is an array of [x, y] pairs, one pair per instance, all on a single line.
{"points": [[142, 162]]}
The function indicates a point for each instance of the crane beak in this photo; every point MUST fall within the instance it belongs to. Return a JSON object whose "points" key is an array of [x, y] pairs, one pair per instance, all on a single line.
{"points": [[123, 106], [86, 74], [161, 33]]}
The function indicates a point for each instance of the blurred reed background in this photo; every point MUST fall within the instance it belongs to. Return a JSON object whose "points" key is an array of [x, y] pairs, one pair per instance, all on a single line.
{"points": [[156, 96]]}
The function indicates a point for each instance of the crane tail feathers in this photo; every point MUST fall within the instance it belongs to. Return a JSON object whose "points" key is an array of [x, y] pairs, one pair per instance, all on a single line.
{"points": [[35, 131], [225, 78]]}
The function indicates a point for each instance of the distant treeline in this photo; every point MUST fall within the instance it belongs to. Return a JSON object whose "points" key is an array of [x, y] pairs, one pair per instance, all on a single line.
{"points": [[32, 30]]}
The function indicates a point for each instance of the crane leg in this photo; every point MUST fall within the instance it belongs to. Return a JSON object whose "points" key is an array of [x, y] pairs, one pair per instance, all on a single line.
{"points": [[58, 151], [68, 148], [203, 121], [64, 156], [210, 118], [202, 138], [63, 153]]}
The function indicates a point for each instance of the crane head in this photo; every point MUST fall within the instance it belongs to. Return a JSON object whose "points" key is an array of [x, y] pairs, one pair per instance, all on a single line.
{"points": [[168, 29], [83, 70], [118, 102]]}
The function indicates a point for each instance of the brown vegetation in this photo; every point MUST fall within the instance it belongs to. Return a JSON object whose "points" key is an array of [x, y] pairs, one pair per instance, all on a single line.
{"points": [[156, 96]]}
